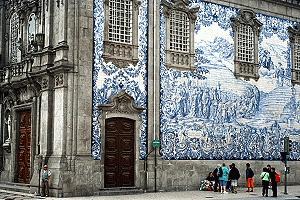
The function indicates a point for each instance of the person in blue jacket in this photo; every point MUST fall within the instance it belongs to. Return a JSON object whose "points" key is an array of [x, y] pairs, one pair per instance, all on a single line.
{"points": [[224, 171]]}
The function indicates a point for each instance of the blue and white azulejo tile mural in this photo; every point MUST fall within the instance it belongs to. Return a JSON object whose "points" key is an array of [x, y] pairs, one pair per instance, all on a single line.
{"points": [[216, 116], [109, 80]]}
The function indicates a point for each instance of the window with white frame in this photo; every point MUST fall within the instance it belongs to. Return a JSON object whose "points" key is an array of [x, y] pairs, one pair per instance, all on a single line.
{"points": [[120, 21], [179, 31], [180, 28], [14, 37], [121, 32], [246, 29], [245, 46]]}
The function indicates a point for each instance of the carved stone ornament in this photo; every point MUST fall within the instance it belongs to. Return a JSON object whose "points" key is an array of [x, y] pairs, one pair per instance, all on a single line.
{"points": [[180, 5], [59, 80], [25, 94], [23, 6], [121, 103], [44, 83], [246, 17], [120, 54]]}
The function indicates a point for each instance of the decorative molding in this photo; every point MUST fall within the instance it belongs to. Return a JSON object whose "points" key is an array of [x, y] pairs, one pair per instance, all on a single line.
{"points": [[180, 5], [121, 103], [59, 80], [44, 83], [246, 17], [25, 94], [178, 59], [246, 70], [120, 54]]}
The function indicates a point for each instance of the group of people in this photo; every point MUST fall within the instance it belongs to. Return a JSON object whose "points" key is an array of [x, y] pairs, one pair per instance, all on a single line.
{"points": [[269, 178], [224, 179]]}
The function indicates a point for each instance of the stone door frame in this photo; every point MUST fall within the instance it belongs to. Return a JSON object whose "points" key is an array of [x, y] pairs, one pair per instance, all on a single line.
{"points": [[122, 105]]}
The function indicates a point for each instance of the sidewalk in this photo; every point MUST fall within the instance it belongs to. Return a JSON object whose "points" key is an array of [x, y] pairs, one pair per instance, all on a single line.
{"points": [[293, 192]]}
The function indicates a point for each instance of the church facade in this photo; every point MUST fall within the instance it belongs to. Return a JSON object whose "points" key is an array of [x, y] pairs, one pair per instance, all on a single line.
{"points": [[87, 86]]}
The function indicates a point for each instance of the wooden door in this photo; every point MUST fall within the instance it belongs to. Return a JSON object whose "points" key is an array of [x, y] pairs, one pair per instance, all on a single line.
{"points": [[23, 149], [119, 153]]}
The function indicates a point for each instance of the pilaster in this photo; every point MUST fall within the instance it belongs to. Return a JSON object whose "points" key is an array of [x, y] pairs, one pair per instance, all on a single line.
{"points": [[48, 26], [59, 114], [46, 116]]}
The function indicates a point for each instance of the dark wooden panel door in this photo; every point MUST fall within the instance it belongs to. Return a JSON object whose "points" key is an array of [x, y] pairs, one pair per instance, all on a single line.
{"points": [[119, 153], [23, 157]]}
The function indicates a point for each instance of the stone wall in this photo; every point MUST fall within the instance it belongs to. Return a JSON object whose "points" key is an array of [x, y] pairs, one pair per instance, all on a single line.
{"points": [[186, 174]]}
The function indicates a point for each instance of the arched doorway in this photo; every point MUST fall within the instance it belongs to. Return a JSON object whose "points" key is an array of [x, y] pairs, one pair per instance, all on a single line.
{"points": [[119, 152]]}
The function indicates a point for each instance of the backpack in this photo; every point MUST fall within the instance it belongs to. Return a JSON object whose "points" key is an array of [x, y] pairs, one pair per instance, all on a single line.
{"points": [[220, 172], [277, 177]]}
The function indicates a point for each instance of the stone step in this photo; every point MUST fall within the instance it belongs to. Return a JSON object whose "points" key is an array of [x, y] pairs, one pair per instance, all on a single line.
{"points": [[4, 194], [119, 191], [16, 187]]}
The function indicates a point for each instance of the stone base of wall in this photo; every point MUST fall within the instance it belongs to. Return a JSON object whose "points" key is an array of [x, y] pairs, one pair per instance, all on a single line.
{"points": [[178, 175], [78, 176], [82, 176]]}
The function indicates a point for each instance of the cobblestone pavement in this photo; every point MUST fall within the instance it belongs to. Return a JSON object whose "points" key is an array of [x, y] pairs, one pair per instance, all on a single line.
{"points": [[293, 191]]}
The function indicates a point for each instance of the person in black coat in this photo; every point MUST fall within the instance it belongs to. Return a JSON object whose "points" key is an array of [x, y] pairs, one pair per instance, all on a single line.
{"points": [[234, 176], [273, 181], [217, 187], [249, 178]]}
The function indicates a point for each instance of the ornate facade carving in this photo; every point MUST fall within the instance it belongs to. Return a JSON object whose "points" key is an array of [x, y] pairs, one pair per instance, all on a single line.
{"points": [[25, 94], [119, 53], [242, 68], [44, 83], [121, 103], [294, 36], [59, 80], [174, 58]]}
